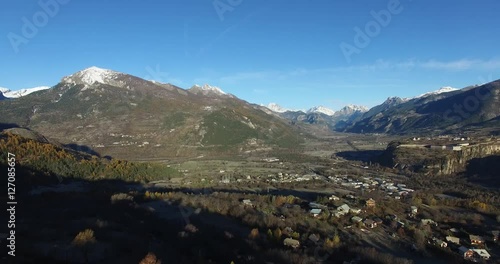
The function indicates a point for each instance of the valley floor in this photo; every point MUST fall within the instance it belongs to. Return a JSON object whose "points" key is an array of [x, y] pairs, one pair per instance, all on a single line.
{"points": [[329, 198]]}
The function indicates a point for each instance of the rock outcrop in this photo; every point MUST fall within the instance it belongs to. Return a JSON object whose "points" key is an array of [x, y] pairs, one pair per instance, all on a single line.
{"points": [[436, 160]]}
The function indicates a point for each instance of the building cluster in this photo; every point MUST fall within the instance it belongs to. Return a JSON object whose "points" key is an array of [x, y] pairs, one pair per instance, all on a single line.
{"points": [[473, 248], [396, 191]]}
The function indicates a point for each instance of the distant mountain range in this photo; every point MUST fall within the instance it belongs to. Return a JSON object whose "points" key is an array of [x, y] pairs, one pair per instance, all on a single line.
{"points": [[22, 92], [318, 109], [320, 115], [115, 111], [445, 110], [128, 117]]}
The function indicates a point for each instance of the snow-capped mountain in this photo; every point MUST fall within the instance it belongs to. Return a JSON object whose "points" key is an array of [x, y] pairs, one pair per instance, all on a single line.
{"points": [[354, 108], [209, 88], [93, 75], [277, 108], [321, 110], [442, 90], [21, 92], [350, 110], [392, 101]]}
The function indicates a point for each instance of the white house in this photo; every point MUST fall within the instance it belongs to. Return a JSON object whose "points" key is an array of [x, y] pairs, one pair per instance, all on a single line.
{"points": [[315, 212], [452, 239], [334, 198], [482, 253]]}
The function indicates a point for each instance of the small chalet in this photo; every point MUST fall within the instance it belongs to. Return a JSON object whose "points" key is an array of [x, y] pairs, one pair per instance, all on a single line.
{"points": [[356, 219], [466, 253], [482, 253], [334, 198], [428, 222], [247, 202], [338, 214], [378, 221], [370, 223], [355, 211], [452, 239], [476, 240], [495, 234], [315, 212], [289, 242], [370, 203], [344, 208], [439, 243]]}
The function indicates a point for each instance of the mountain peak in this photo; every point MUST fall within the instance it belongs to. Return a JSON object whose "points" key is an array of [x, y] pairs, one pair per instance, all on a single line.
{"points": [[359, 108], [276, 108], [91, 75], [322, 110], [394, 100], [4, 90], [21, 92], [209, 88], [445, 89]]}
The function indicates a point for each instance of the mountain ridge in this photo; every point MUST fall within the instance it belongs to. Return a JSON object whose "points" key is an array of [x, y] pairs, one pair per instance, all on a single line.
{"points": [[432, 113], [128, 117]]}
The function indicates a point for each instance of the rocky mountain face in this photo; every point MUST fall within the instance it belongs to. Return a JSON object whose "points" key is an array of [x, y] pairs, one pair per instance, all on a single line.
{"points": [[127, 117], [436, 161], [433, 113]]}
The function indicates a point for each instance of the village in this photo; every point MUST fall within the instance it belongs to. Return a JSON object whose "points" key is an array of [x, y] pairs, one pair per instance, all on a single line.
{"points": [[377, 208], [360, 217]]}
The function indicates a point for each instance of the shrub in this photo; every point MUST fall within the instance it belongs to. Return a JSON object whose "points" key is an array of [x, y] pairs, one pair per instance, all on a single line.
{"points": [[84, 238], [150, 258], [121, 197]]}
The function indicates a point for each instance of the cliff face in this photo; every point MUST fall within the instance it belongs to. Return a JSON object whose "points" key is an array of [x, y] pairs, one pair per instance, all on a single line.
{"points": [[436, 161], [459, 161]]}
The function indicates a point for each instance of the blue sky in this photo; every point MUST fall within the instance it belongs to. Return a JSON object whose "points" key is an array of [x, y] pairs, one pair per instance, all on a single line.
{"points": [[283, 51]]}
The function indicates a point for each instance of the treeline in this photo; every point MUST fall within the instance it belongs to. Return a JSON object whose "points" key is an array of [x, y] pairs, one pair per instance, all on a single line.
{"points": [[464, 194], [53, 160]]}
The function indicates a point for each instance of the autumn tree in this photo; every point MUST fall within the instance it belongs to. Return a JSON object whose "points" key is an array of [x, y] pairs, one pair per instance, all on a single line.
{"points": [[277, 234], [150, 258], [85, 240], [269, 234], [254, 234]]}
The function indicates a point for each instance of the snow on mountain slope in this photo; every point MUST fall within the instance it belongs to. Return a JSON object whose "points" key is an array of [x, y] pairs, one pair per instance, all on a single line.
{"points": [[321, 110], [445, 89], [276, 108], [209, 88], [355, 108], [4, 90], [23, 92], [92, 75]]}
